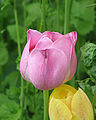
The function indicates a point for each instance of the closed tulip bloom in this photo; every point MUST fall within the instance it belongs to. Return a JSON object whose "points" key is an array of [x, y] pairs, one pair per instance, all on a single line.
{"points": [[67, 103], [48, 58]]}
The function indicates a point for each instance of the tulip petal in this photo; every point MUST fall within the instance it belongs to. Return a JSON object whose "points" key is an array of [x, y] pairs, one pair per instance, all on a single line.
{"points": [[58, 110], [47, 68], [53, 35], [72, 36], [44, 43], [33, 36], [24, 62], [73, 66], [66, 44], [81, 106], [64, 93]]}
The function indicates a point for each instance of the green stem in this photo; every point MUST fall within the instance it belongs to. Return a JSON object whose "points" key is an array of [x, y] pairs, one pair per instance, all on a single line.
{"points": [[17, 29], [66, 22], [57, 1], [24, 21], [46, 104], [42, 24], [19, 51], [44, 11], [45, 92], [25, 26]]}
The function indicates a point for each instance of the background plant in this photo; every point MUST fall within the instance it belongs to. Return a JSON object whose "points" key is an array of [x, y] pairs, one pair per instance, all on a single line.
{"points": [[29, 14]]}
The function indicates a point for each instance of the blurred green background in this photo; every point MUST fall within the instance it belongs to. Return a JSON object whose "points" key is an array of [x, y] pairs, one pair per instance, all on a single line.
{"points": [[29, 15]]}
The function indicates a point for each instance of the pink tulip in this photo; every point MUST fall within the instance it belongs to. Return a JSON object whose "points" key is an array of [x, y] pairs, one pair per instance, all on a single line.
{"points": [[48, 59]]}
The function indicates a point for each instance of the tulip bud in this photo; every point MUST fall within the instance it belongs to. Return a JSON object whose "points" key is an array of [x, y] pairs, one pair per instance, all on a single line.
{"points": [[67, 103], [48, 59]]}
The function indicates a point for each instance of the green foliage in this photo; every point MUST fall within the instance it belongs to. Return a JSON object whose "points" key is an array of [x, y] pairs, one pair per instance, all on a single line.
{"points": [[10, 79], [34, 13], [12, 31], [3, 53], [7, 2], [2, 31], [88, 62], [10, 111], [93, 72], [3, 99], [88, 55], [18, 63], [34, 95], [13, 93], [83, 17], [38, 116]]}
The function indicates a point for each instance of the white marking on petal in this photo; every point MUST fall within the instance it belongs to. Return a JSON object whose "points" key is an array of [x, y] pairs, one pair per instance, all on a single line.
{"points": [[26, 75]]}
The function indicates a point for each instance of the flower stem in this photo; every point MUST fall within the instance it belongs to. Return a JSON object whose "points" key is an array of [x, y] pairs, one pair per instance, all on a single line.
{"points": [[17, 29], [25, 26], [57, 2], [19, 51], [46, 102], [45, 92], [66, 22], [42, 24], [24, 20]]}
